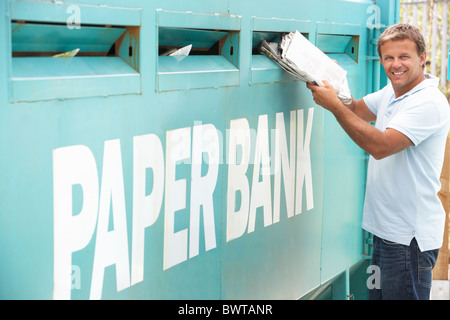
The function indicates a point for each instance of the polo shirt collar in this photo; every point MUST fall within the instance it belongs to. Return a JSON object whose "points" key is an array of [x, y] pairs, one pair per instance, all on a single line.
{"points": [[430, 81]]}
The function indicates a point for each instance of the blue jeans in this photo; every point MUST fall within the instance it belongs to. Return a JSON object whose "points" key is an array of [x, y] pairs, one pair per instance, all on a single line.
{"points": [[405, 271]]}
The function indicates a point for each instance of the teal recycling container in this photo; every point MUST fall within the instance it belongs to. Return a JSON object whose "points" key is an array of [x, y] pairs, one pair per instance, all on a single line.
{"points": [[128, 173]]}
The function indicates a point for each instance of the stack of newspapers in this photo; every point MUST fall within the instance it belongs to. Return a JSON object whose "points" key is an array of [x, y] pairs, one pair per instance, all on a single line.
{"points": [[296, 55]]}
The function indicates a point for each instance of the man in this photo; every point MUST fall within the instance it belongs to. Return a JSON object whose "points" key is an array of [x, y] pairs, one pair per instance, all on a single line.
{"points": [[406, 145]]}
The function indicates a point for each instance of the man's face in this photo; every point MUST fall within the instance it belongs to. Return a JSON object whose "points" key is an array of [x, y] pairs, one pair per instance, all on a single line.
{"points": [[402, 64]]}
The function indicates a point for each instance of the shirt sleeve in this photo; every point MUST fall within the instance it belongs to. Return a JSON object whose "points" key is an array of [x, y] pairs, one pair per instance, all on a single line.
{"points": [[374, 100]]}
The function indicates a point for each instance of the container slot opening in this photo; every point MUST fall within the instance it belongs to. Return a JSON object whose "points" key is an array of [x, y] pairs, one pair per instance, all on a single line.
{"points": [[331, 43], [34, 39], [264, 69], [38, 39], [211, 62], [204, 42], [259, 37], [51, 61]]}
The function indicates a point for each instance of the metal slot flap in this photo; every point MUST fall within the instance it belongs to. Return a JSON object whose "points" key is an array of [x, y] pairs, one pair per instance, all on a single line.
{"points": [[51, 68], [48, 78]]}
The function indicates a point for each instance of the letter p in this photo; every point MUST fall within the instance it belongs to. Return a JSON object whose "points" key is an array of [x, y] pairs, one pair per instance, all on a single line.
{"points": [[72, 232]]}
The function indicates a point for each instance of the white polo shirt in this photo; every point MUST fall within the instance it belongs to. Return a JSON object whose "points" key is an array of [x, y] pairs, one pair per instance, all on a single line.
{"points": [[401, 194]]}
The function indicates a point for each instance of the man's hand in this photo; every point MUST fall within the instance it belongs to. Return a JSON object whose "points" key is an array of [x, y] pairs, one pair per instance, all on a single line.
{"points": [[353, 119], [324, 96]]}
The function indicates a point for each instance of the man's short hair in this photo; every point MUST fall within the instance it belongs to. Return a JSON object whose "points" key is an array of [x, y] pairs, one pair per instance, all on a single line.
{"points": [[403, 31]]}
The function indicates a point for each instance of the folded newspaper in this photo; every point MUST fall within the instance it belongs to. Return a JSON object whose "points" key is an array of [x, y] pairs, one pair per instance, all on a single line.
{"points": [[296, 55]]}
